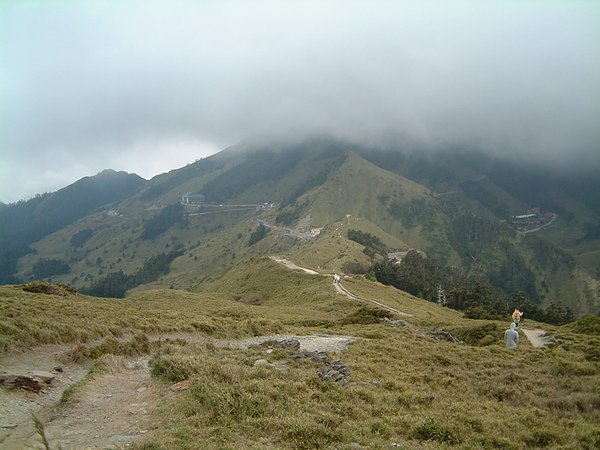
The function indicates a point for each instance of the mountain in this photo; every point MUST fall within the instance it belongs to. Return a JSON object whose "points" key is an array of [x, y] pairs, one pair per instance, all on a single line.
{"points": [[187, 228], [26, 222]]}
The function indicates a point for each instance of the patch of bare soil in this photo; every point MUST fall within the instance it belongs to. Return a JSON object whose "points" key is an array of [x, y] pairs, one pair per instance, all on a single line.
{"points": [[538, 338], [16, 406], [111, 410]]}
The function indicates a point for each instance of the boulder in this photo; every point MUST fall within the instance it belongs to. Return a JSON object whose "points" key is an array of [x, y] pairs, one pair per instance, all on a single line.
{"points": [[262, 363], [31, 382], [318, 357], [336, 372], [289, 344]]}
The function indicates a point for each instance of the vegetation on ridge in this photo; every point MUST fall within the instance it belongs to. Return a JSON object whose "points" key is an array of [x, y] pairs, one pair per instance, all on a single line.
{"points": [[405, 389]]}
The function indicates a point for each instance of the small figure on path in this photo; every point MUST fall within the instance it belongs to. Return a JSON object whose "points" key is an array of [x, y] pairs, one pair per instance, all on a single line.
{"points": [[516, 316], [511, 336], [336, 278]]}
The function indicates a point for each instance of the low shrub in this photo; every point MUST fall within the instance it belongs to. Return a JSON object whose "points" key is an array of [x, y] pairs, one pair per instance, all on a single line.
{"points": [[367, 315], [433, 430], [479, 335], [41, 287]]}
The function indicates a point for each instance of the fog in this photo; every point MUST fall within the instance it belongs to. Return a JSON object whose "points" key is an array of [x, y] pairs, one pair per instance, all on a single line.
{"points": [[150, 86]]}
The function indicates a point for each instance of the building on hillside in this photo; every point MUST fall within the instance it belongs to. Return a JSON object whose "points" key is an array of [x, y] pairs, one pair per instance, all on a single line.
{"points": [[396, 257], [192, 199], [314, 232]]}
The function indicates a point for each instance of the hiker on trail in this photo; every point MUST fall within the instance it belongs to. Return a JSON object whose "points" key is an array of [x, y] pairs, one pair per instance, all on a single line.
{"points": [[336, 278], [511, 336], [516, 316]]}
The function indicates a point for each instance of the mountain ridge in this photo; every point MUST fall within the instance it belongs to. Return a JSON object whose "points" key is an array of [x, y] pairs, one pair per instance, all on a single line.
{"points": [[317, 184]]}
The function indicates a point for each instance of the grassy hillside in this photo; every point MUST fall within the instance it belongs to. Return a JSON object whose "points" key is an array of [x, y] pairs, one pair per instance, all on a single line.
{"points": [[330, 185], [26, 222], [405, 388]]}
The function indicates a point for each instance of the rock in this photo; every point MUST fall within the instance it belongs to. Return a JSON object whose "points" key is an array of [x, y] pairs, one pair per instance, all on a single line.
{"points": [[289, 344], [27, 382], [262, 363], [140, 389], [336, 372], [394, 323], [58, 369], [181, 386], [44, 377], [318, 357], [442, 335]]}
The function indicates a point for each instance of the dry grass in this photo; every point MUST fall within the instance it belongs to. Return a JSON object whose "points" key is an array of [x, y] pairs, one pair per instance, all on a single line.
{"points": [[404, 388]]}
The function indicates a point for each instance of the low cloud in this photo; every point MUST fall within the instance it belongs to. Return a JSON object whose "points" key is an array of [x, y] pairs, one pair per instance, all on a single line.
{"points": [[148, 86]]}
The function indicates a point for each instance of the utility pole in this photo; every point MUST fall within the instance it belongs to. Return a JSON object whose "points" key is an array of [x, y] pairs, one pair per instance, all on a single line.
{"points": [[441, 296]]}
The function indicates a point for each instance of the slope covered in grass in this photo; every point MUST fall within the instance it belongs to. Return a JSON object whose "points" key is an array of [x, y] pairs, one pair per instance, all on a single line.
{"points": [[404, 388]]}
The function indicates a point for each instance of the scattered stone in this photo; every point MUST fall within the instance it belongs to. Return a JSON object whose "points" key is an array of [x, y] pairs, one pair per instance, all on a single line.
{"points": [[140, 389], [394, 323], [356, 446], [336, 372], [44, 377], [181, 386], [442, 335], [289, 344], [58, 369], [262, 363], [318, 357], [9, 425], [269, 351]]}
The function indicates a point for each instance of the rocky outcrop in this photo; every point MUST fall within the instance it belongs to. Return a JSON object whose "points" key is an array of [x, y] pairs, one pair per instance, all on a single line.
{"points": [[336, 372], [442, 335], [34, 381]]}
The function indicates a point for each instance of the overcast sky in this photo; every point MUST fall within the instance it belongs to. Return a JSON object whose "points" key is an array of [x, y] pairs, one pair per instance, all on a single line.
{"points": [[149, 86]]}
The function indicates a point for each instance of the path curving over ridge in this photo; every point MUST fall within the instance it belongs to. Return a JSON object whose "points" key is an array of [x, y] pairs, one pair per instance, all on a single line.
{"points": [[338, 286]]}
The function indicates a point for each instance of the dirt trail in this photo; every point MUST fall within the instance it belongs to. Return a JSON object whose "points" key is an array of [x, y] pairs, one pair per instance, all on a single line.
{"points": [[338, 286], [109, 411], [342, 290], [290, 265], [16, 406], [538, 338]]}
